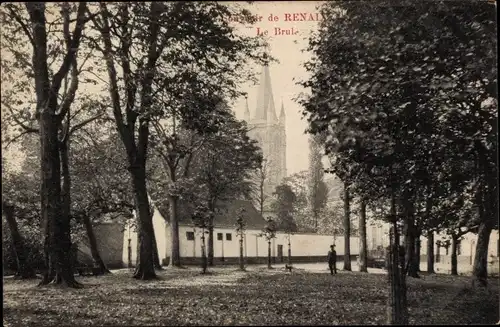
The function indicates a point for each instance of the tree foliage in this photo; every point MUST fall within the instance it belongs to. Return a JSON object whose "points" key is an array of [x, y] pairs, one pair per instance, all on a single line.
{"points": [[284, 206], [405, 94], [318, 191], [185, 59]]}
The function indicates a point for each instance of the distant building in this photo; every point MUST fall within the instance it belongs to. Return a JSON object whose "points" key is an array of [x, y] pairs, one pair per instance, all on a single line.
{"points": [[270, 131]]}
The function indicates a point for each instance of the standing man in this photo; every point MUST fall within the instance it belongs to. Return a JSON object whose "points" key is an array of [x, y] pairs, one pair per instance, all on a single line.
{"points": [[332, 259]]}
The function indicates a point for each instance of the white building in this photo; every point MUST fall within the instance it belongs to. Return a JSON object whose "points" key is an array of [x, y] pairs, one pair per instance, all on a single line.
{"points": [[304, 247]]}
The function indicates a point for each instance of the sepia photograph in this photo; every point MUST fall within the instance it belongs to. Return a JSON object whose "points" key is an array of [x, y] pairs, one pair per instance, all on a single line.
{"points": [[249, 163]]}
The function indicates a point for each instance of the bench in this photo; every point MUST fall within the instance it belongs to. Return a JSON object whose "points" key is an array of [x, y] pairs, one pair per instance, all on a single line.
{"points": [[288, 267]]}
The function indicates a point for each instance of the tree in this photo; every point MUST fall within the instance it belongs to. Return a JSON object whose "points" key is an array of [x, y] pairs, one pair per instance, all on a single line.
{"points": [[99, 187], [14, 202], [225, 166], [391, 117], [347, 228], [332, 220], [24, 268], [50, 113], [298, 184], [460, 218], [318, 192], [284, 206], [201, 219], [430, 252], [269, 232], [375, 111], [187, 52], [363, 251], [259, 178], [174, 156], [240, 230]]}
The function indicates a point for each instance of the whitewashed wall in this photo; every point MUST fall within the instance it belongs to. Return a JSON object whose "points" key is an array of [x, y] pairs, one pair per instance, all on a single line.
{"points": [[301, 244], [224, 247], [315, 245], [255, 246], [162, 241], [467, 245]]}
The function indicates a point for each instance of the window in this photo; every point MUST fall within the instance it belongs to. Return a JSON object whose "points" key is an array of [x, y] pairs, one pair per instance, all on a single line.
{"points": [[219, 236], [190, 236], [228, 237], [459, 248]]}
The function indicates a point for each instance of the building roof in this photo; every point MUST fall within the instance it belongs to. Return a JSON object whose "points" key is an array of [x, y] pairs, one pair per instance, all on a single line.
{"points": [[226, 217]]}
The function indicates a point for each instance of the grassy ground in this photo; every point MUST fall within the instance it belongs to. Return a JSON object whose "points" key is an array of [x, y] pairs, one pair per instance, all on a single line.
{"points": [[257, 297]]}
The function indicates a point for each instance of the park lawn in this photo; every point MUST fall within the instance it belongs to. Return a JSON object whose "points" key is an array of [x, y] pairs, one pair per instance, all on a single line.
{"points": [[257, 297]]}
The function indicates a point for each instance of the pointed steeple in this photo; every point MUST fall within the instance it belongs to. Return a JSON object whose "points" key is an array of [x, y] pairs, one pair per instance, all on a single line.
{"points": [[265, 101], [247, 110], [282, 112]]}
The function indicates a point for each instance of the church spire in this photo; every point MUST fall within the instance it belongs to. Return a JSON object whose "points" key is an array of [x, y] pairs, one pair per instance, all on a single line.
{"points": [[265, 100], [282, 112]]}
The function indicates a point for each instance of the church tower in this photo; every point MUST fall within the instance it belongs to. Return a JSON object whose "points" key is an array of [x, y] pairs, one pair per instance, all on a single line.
{"points": [[270, 132]]}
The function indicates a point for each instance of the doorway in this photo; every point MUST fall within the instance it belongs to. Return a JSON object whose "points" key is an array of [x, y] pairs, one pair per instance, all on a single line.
{"points": [[280, 252]]}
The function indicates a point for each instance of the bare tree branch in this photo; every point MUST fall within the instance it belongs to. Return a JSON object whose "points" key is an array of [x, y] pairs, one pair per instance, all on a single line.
{"points": [[28, 129], [107, 52], [19, 20], [11, 141], [73, 48], [83, 123]]}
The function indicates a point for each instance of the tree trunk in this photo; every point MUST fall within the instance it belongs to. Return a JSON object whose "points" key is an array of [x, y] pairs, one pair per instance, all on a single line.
{"points": [[410, 260], [454, 263], [269, 255], [289, 251], [66, 190], [156, 256], [242, 262], [144, 268], [347, 229], [203, 253], [430, 252], [211, 243], [397, 307], [410, 239], [480, 269], [137, 246], [363, 264], [417, 252], [96, 256], [175, 256], [56, 225], [24, 268], [486, 199], [397, 313], [262, 199]]}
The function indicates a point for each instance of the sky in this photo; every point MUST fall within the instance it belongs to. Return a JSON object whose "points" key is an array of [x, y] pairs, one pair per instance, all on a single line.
{"points": [[288, 50]]}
